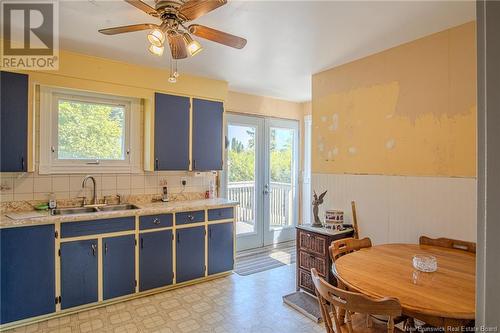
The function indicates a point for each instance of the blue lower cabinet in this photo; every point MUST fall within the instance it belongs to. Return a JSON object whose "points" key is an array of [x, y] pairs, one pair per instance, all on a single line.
{"points": [[79, 273], [118, 266], [27, 272], [155, 259], [190, 253], [220, 248]]}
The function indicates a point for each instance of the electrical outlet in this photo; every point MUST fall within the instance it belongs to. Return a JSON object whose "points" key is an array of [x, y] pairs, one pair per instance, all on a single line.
{"points": [[183, 181]]}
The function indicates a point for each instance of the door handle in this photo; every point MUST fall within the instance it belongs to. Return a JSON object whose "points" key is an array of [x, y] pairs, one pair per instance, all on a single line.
{"points": [[156, 221], [94, 247]]}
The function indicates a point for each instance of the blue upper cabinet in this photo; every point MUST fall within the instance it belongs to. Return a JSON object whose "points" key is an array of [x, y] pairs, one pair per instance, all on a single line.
{"points": [[13, 122], [27, 272], [207, 135], [171, 132]]}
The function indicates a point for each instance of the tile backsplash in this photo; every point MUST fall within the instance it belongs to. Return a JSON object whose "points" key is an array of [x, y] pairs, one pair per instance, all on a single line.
{"points": [[32, 186]]}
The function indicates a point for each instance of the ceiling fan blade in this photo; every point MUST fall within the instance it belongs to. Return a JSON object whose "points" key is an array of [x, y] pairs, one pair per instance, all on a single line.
{"points": [[217, 36], [143, 6], [177, 46], [127, 28], [193, 9]]}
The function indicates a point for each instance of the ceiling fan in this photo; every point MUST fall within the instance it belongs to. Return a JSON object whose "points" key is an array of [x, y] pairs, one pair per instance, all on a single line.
{"points": [[174, 14]]}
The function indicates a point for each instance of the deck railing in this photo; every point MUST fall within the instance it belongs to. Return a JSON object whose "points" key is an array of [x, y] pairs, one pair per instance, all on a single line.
{"points": [[280, 204]]}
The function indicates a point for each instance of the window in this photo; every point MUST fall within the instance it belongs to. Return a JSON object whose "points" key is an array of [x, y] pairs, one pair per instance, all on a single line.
{"points": [[88, 132]]}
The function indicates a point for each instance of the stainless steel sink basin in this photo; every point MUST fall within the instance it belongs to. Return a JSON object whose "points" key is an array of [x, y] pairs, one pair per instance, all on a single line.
{"points": [[111, 208], [76, 210]]}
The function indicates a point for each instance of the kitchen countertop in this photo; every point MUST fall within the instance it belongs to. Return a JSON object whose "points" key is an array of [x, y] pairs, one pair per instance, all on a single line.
{"points": [[144, 209]]}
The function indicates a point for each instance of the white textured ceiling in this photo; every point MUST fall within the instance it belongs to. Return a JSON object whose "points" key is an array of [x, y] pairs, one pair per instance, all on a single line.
{"points": [[288, 41]]}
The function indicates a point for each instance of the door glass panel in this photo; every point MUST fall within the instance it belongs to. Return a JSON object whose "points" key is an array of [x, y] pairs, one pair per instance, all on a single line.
{"points": [[281, 170], [241, 175]]}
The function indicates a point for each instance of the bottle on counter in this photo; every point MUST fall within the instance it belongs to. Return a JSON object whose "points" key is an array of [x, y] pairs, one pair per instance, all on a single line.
{"points": [[52, 201], [211, 191]]}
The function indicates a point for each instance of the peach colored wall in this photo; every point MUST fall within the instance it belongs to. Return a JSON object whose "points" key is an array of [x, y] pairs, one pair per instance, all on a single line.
{"points": [[409, 110]]}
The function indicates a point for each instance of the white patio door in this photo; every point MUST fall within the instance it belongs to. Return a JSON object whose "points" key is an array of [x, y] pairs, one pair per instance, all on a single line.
{"points": [[261, 174]]}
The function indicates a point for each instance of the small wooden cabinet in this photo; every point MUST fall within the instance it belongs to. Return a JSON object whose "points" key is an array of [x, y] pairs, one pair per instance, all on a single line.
{"points": [[312, 252]]}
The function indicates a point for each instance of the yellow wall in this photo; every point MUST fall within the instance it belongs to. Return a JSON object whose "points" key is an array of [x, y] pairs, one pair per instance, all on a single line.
{"points": [[409, 110], [263, 106]]}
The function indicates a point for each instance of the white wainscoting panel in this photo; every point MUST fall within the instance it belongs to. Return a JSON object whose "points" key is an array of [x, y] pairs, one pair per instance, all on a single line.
{"points": [[398, 209]]}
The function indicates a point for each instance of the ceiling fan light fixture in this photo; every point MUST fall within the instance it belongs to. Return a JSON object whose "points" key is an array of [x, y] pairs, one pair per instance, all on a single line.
{"points": [[158, 51], [156, 37], [192, 46]]}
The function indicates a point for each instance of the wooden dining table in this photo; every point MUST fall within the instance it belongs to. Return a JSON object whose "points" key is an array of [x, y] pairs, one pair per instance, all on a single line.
{"points": [[444, 298]]}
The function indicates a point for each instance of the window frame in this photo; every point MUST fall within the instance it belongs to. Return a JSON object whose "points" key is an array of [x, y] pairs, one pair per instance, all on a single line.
{"points": [[49, 112]]}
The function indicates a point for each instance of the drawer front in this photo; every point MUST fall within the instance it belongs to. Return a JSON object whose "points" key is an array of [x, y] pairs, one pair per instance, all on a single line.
{"points": [[305, 281], [83, 228], [308, 261], [190, 217], [155, 221], [313, 243], [220, 214]]}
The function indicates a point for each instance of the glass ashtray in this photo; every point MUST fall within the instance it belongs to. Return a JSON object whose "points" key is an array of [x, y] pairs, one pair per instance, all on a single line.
{"points": [[425, 263]]}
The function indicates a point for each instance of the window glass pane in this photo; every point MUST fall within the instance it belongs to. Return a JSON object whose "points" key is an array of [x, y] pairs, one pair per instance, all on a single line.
{"points": [[90, 131], [281, 170], [241, 169]]}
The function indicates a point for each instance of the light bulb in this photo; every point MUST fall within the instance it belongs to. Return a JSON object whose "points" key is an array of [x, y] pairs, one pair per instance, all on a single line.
{"points": [[156, 37], [192, 46], [172, 79], [176, 74], [156, 50]]}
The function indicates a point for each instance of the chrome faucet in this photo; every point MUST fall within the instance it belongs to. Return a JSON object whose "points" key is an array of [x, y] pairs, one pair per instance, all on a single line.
{"points": [[94, 194]]}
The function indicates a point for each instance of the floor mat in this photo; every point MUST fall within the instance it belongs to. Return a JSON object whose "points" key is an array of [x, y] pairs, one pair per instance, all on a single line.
{"points": [[305, 304], [259, 260]]}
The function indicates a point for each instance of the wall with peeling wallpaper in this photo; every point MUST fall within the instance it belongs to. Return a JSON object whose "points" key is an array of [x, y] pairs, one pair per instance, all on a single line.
{"points": [[396, 132], [409, 110]]}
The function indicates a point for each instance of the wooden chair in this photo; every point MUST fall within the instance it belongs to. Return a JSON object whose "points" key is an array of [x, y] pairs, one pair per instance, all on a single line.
{"points": [[344, 246], [449, 243], [332, 299]]}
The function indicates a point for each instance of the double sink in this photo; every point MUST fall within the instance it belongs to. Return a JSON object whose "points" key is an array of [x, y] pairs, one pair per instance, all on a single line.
{"points": [[84, 210]]}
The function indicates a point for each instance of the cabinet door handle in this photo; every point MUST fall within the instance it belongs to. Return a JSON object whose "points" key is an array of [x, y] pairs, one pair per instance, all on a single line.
{"points": [[156, 221], [22, 163], [178, 238], [157, 164], [94, 247], [190, 217], [105, 248], [194, 164], [142, 243], [209, 233]]}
